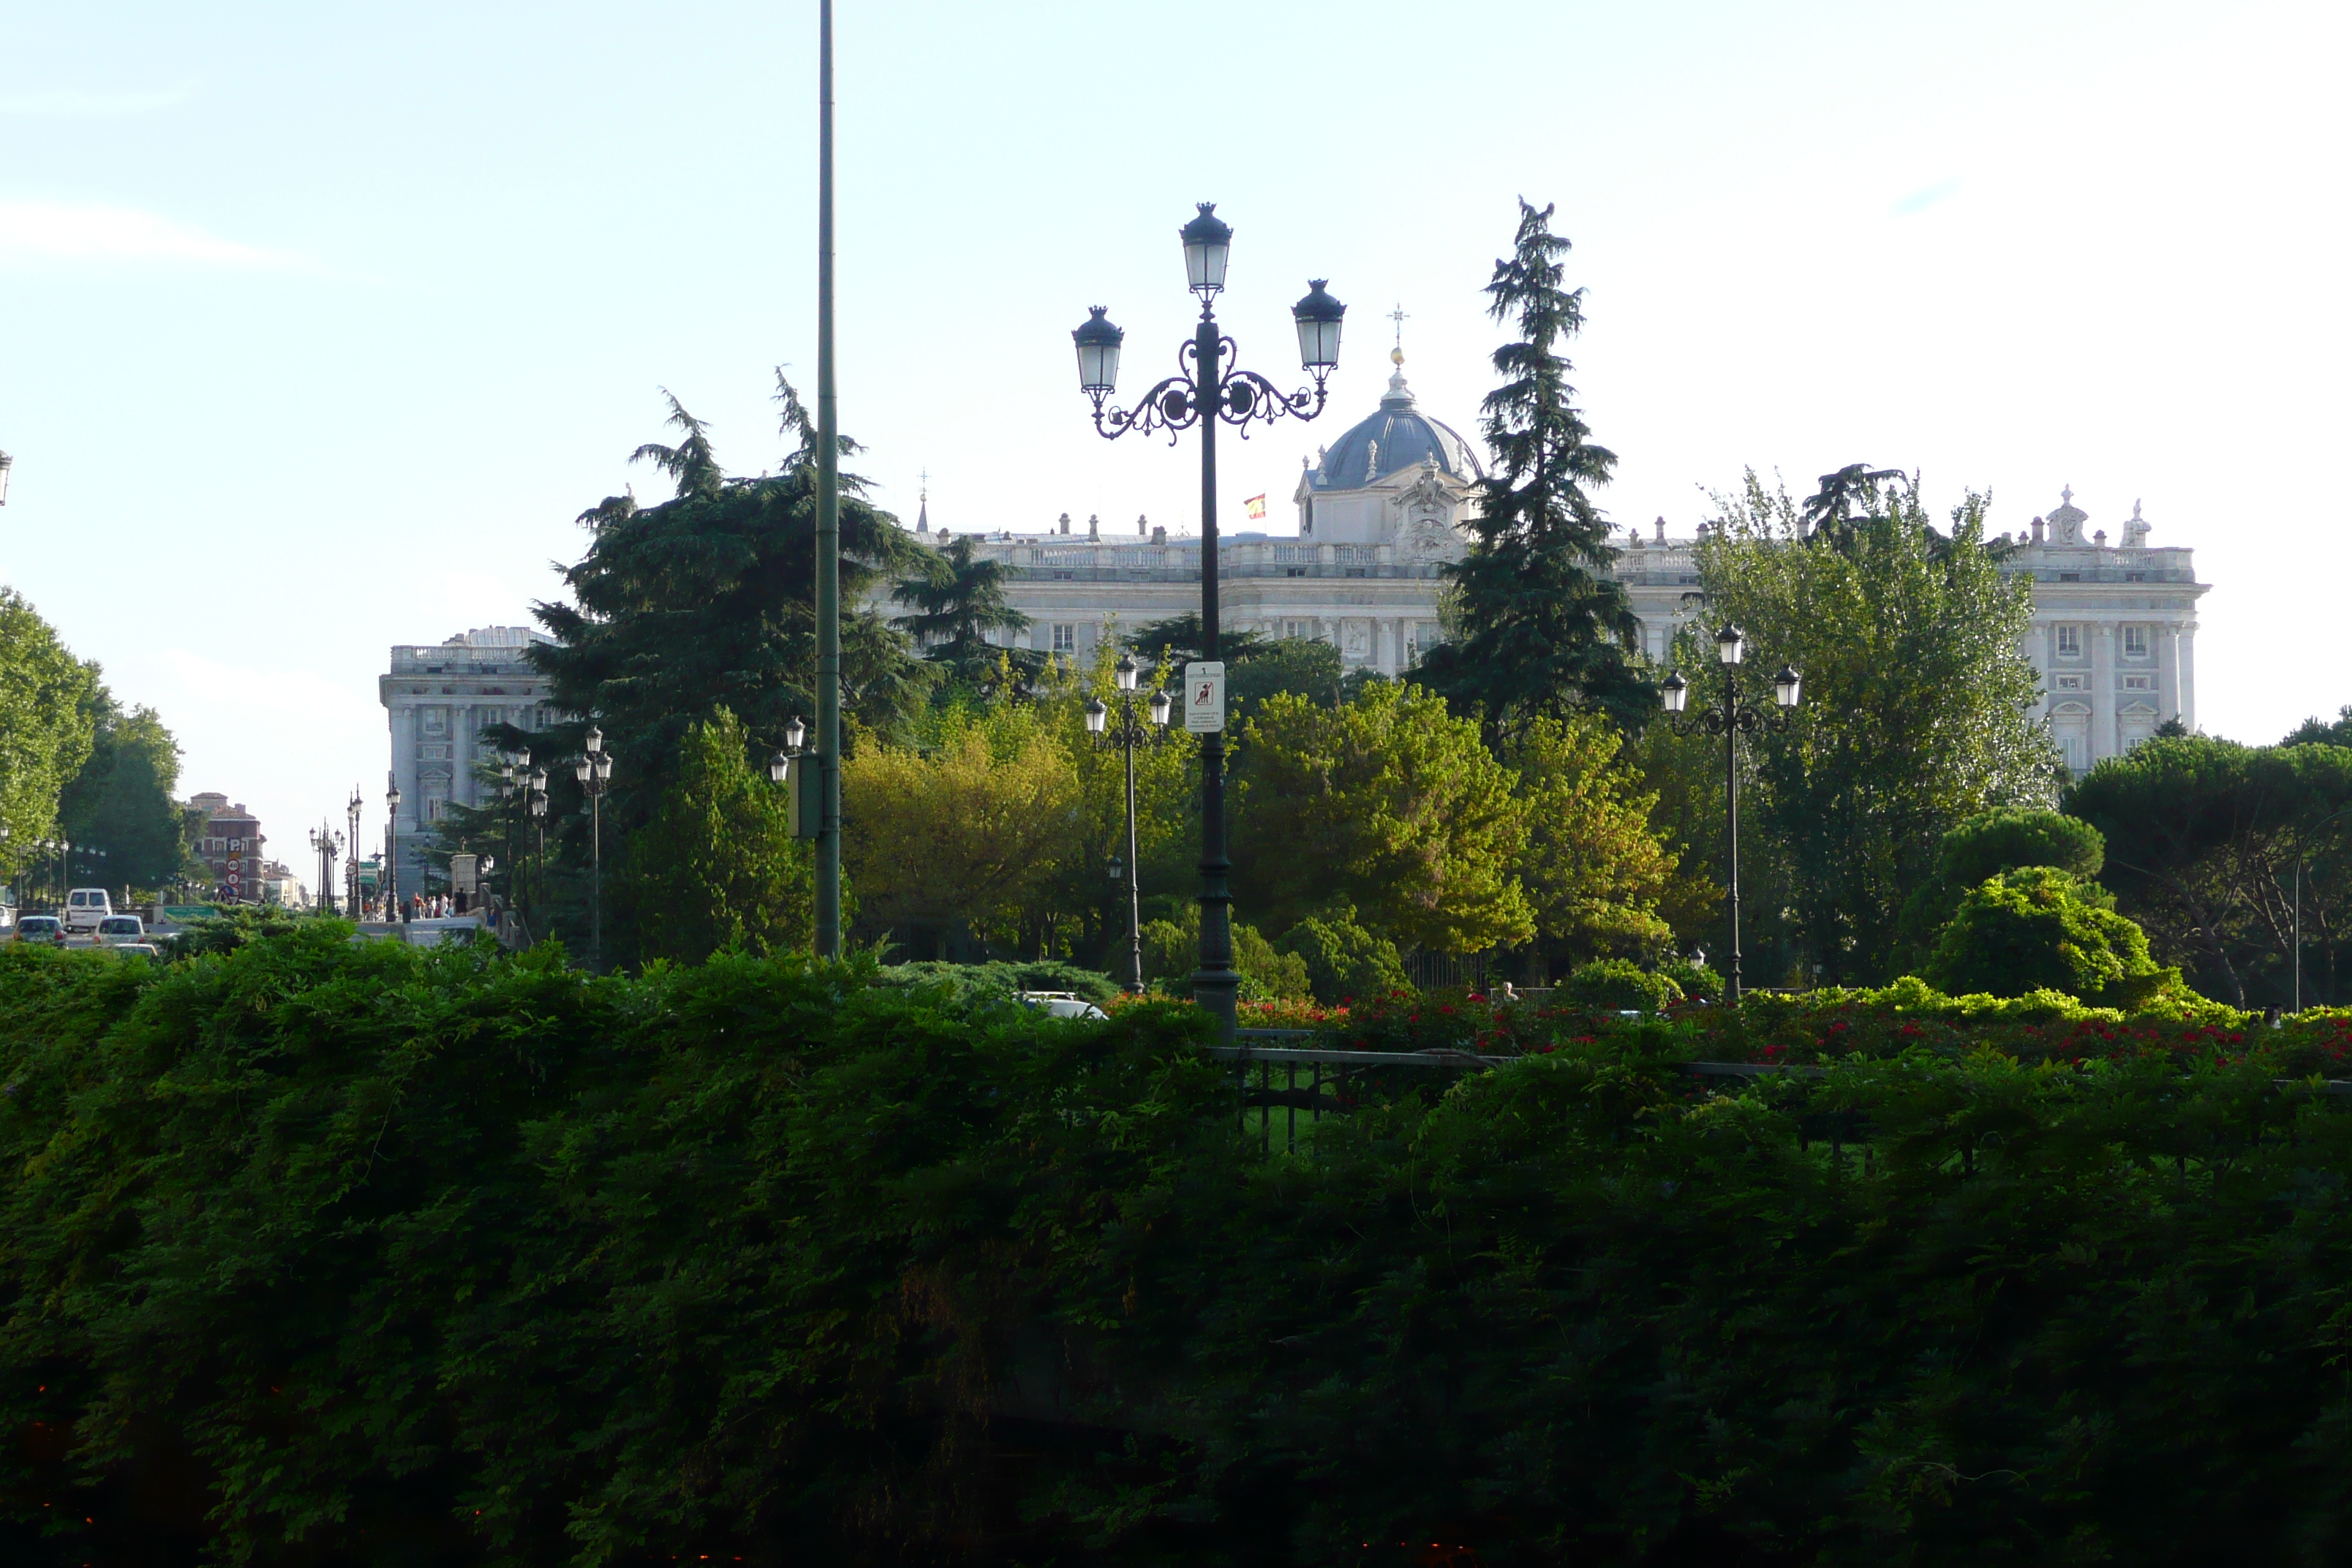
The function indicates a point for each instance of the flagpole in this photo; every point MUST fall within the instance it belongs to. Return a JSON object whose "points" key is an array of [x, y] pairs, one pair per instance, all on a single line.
{"points": [[828, 523]]}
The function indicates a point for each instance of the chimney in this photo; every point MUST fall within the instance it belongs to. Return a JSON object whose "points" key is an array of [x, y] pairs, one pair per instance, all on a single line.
{"points": [[1140, 529], [1093, 526], [1159, 536], [1661, 526], [1065, 522]]}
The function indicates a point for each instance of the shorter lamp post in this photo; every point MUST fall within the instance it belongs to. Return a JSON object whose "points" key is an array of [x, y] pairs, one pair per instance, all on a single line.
{"points": [[1130, 734], [594, 772], [538, 827], [390, 881], [1731, 718], [329, 842]]}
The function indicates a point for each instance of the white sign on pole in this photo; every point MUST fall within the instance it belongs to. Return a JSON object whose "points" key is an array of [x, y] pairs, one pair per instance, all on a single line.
{"points": [[1204, 698]]}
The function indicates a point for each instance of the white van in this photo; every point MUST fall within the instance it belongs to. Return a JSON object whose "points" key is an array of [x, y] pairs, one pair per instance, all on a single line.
{"points": [[85, 907]]}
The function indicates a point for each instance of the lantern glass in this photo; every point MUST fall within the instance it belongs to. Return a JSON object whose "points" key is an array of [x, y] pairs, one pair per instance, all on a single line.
{"points": [[1127, 672], [539, 780], [595, 740], [1096, 714], [604, 760], [391, 798], [1318, 317], [1730, 644], [1097, 341], [1161, 704], [1117, 869], [1675, 693], [580, 770], [539, 806], [1208, 239], [780, 768], [1787, 686], [795, 732]]}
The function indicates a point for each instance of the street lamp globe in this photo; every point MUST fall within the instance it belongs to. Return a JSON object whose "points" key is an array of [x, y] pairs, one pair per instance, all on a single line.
{"points": [[604, 766], [596, 742], [580, 768], [795, 734], [1098, 343], [1161, 704], [1096, 714], [1126, 671], [1675, 693], [539, 806], [1786, 686], [1208, 239], [1730, 644], [1318, 317], [392, 797], [539, 780], [780, 768]]}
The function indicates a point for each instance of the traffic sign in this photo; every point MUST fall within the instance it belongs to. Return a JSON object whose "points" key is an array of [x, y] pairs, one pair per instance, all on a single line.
{"points": [[1204, 697]]}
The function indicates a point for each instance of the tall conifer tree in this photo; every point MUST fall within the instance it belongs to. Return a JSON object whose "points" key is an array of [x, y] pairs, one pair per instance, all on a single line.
{"points": [[1539, 629]]}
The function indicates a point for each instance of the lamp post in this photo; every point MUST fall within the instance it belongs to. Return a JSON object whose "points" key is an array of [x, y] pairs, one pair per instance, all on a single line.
{"points": [[539, 825], [1210, 387], [1130, 734], [1731, 719], [6, 463], [329, 844], [352, 865], [390, 880], [594, 771]]}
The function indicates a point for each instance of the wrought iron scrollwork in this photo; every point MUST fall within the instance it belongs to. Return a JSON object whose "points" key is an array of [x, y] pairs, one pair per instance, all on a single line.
{"points": [[1240, 399]]}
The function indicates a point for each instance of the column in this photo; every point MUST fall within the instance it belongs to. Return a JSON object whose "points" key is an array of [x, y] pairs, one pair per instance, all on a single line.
{"points": [[2188, 658], [2104, 742], [2168, 671]]}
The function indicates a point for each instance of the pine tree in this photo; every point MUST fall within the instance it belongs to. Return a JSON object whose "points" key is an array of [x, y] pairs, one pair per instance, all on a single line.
{"points": [[953, 605], [1539, 629]]}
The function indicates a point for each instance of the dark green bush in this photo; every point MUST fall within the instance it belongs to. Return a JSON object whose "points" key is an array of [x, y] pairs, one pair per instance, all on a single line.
{"points": [[1344, 961], [2038, 929], [1695, 979], [325, 1253], [1001, 978]]}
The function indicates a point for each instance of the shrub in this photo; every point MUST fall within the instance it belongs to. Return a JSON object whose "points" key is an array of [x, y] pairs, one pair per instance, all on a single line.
{"points": [[1171, 952], [1001, 978], [1986, 844], [1619, 983], [1342, 959], [2037, 929], [1697, 980]]}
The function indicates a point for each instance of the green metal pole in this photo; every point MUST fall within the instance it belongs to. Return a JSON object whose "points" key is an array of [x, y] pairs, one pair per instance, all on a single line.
{"points": [[828, 523], [1215, 986]]}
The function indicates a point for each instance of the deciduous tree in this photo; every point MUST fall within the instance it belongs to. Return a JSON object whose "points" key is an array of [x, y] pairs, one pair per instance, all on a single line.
{"points": [[716, 866]]}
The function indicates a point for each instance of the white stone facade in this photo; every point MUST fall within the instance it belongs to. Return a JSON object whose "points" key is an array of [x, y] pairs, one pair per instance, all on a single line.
{"points": [[2114, 631], [438, 698]]}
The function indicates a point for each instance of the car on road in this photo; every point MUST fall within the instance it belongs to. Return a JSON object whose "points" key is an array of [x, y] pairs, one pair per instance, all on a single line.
{"points": [[47, 930], [143, 949], [116, 929], [85, 907], [1062, 1004]]}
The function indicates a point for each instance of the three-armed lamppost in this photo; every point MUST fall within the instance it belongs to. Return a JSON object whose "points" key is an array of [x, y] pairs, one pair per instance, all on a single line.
{"points": [[594, 771], [1731, 719], [389, 882], [1209, 387], [329, 844], [537, 782], [1130, 734]]}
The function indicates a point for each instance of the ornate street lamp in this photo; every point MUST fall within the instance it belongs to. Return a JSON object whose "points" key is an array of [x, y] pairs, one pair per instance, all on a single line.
{"points": [[1130, 734], [351, 865], [391, 878], [1731, 719], [594, 772], [6, 463], [329, 842], [1210, 387]]}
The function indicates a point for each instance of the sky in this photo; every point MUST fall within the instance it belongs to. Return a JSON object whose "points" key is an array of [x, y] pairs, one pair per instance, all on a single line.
{"points": [[320, 325]]}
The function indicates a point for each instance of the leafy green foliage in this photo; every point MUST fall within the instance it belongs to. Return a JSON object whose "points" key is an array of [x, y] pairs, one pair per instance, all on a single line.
{"points": [[964, 981], [2208, 843], [123, 799], [1343, 960], [953, 605], [1695, 981], [717, 866], [1985, 845], [2038, 929], [1619, 983], [1919, 709], [1172, 953], [326, 1253], [1539, 628], [49, 704]]}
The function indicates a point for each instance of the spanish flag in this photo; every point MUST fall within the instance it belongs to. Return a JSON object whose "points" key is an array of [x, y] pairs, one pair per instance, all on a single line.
{"points": [[1254, 506]]}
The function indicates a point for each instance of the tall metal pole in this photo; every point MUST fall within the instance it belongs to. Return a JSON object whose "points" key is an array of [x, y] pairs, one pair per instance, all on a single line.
{"points": [[1134, 866], [596, 880], [828, 523], [1731, 821], [1215, 984]]}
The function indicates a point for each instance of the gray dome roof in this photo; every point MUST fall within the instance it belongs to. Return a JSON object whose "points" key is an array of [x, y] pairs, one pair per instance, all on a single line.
{"points": [[1398, 437]]}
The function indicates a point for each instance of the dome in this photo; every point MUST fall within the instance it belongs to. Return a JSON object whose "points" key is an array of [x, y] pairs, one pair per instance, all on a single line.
{"points": [[1398, 437]]}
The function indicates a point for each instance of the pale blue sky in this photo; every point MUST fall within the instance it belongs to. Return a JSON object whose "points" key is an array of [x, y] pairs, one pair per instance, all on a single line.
{"points": [[319, 325]]}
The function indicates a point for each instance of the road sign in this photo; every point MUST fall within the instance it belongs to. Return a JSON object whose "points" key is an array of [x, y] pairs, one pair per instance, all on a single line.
{"points": [[1204, 698]]}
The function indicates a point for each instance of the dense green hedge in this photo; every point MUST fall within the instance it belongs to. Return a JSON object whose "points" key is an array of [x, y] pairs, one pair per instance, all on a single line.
{"points": [[332, 1254]]}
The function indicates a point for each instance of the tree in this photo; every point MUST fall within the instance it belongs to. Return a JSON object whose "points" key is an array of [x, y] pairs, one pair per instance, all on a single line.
{"points": [[2207, 841], [717, 867], [1919, 709], [49, 709], [1540, 629], [1390, 804], [954, 604], [2041, 928], [1985, 845], [1595, 872], [2336, 732], [121, 799], [1342, 960]]}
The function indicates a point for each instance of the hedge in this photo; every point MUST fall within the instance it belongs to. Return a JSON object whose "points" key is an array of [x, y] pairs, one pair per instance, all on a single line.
{"points": [[318, 1253]]}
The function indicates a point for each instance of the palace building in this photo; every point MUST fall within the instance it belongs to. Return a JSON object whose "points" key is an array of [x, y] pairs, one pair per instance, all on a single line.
{"points": [[1381, 509]]}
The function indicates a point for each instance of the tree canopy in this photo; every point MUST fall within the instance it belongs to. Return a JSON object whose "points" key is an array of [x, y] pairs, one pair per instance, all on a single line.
{"points": [[953, 605], [122, 798], [716, 865], [1537, 625], [2038, 928], [49, 711]]}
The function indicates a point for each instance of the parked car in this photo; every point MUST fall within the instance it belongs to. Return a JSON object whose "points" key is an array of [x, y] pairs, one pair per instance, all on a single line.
{"points": [[143, 949], [1062, 1004], [116, 929], [85, 907], [46, 928]]}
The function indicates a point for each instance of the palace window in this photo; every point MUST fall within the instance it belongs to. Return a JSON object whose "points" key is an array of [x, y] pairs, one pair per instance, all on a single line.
{"points": [[1293, 570], [2134, 642], [1065, 637], [2066, 683], [1065, 576], [2070, 576], [2070, 642], [2139, 683]]}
